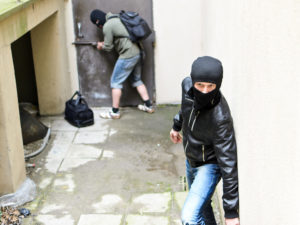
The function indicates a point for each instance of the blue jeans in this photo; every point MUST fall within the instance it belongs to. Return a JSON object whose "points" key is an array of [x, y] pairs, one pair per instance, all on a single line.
{"points": [[202, 182], [125, 68]]}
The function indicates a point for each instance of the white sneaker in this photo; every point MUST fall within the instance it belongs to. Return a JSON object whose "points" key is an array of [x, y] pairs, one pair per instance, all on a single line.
{"points": [[110, 115], [146, 108]]}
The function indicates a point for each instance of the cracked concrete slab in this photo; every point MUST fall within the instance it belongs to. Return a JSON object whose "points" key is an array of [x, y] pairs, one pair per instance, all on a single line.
{"points": [[66, 183], [180, 198], [152, 203], [90, 137], [51, 208], [100, 219], [52, 165], [54, 220], [69, 164], [60, 144], [108, 203], [146, 220], [80, 151], [62, 125], [115, 172]]}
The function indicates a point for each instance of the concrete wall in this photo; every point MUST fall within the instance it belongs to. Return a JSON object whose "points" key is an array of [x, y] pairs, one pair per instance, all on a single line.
{"points": [[55, 81], [178, 29], [258, 42], [259, 45], [72, 71], [12, 167], [51, 72]]}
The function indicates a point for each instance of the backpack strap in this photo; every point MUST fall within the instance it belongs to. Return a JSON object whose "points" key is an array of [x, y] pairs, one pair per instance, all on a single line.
{"points": [[111, 17], [139, 44], [121, 36], [142, 52]]}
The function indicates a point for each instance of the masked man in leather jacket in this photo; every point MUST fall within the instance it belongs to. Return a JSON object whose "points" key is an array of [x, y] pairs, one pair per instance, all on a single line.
{"points": [[209, 144]]}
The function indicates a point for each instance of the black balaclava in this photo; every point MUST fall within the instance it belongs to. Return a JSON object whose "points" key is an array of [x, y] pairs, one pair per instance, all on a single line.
{"points": [[206, 69], [98, 15]]}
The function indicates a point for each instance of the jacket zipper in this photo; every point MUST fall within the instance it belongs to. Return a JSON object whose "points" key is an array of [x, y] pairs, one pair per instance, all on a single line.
{"points": [[203, 153], [195, 120], [187, 142], [192, 130], [191, 116]]}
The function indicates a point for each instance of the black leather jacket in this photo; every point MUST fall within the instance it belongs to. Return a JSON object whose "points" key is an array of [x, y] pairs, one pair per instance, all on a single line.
{"points": [[208, 137]]}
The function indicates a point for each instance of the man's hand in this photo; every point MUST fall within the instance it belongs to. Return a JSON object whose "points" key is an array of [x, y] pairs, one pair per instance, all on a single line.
{"points": [[175, 136], [99, 45], [233, 221]]}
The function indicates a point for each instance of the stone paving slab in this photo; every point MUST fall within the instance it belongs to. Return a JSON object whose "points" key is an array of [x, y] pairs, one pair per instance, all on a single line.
{"points": [[152, 203], [146, 220], [55, 220], [100, 219], [52, 208], [99, 125], [69, 164], [62, 125], [180, 198], [108, 204], [65, 183], [60, 144], [177, 222], [45, 182], [79, 151], [52, 165], [90, 137]]}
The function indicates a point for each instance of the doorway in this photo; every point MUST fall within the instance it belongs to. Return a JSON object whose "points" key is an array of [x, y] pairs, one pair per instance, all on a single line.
{"points": [[24, 70], [95, 67]]}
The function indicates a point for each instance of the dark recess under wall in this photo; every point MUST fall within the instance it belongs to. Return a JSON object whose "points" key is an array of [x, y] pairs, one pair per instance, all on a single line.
{"points": [[24, 69]]}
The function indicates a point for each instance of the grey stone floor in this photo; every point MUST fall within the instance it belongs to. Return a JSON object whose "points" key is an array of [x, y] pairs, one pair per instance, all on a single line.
{"points": [[116, 172]]}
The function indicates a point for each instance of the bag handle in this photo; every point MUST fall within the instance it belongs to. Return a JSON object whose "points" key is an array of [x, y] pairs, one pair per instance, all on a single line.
{"points": [[79, 99], [76, 93]]}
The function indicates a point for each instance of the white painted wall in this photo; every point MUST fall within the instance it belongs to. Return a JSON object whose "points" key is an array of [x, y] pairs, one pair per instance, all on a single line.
{"points": [[258, 42], [177, 25], [70, 38]]}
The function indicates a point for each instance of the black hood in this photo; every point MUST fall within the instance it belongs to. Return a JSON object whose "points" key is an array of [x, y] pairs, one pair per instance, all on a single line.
{"points": [[98, 15], [207, 69]]}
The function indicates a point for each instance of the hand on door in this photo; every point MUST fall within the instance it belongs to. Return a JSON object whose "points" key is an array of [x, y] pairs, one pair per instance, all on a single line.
{"points": [[99, 45]]}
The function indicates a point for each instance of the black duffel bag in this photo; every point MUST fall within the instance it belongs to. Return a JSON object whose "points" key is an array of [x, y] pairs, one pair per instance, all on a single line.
{"points": [[77, 111]]}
